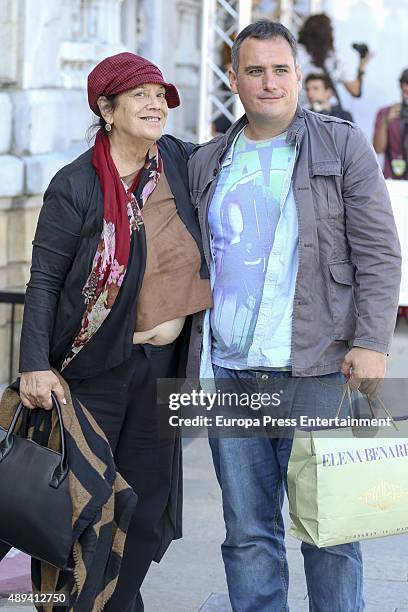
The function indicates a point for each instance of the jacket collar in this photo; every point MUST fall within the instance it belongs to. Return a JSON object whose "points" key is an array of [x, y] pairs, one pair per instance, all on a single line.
{"points": [[297, 127]]}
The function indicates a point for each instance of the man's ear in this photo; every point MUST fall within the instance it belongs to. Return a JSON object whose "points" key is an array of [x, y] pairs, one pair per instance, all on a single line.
{"points": [[105, 108], [233, 79]]}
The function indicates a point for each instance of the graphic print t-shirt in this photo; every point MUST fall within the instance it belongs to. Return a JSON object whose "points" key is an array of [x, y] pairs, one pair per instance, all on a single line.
{"points": [[243, 217]]}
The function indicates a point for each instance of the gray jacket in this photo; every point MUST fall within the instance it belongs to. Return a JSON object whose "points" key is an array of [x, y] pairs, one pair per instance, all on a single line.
{"points": [[347, 286]]}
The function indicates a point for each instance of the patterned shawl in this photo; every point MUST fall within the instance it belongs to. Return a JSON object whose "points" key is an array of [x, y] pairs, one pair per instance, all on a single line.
{"points": [[122, 216]]}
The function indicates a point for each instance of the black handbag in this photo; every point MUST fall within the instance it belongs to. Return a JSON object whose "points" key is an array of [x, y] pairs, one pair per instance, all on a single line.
{"points": [[35, 504]]}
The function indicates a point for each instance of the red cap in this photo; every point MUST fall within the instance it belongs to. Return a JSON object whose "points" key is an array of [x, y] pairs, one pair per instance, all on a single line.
{"points": [[122, 72]]}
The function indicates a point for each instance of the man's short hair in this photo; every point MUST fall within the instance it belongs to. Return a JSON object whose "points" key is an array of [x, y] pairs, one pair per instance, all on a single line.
{"points": [[318, 77], [404, 76], [263, 29]]}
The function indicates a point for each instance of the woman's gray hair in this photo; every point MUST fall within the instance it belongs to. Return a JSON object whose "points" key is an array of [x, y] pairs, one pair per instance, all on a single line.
{"points": [[263, 29]]}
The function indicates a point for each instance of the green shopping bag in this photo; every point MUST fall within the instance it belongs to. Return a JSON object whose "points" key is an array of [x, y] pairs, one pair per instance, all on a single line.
{"points": [[343, 488]]}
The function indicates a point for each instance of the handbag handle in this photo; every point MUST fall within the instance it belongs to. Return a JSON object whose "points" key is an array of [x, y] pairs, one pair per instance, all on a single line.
{"points": [[6, 445]]}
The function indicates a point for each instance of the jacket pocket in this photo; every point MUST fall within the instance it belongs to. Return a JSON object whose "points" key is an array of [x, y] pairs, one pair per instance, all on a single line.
{"points": [[325, 183], [326, 168], [342, 304]]}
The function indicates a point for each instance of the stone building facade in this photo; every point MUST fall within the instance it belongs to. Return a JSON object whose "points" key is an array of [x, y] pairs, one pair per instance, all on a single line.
{"points": [[48, 48]]}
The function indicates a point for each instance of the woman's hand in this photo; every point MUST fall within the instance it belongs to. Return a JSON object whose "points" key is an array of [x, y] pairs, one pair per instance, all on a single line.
{"points": [[355, 87], [36, 387], [367, 58]]}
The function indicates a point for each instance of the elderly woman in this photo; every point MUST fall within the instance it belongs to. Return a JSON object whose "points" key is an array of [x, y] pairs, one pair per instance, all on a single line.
{"points": [[117, 268]]}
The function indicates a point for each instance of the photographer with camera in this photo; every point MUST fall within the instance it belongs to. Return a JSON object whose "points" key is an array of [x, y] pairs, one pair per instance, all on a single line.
{"points": [[317, 54], [391, 134], [319, 95]]}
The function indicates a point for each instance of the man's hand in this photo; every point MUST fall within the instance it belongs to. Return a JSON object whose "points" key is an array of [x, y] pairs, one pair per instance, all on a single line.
{"points": [[365, 370], [36, 387]]}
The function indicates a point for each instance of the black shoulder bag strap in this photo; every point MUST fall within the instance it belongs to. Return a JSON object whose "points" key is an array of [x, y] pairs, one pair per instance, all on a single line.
{"points": [[333, 87]]}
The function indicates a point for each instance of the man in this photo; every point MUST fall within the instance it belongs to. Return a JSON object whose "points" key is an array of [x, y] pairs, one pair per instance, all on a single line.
{"points": [[319, 95], [391, 134], [297, 228]]}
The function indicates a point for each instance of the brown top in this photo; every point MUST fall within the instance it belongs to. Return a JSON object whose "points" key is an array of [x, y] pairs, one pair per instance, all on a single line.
{"points": [[172, 286]]}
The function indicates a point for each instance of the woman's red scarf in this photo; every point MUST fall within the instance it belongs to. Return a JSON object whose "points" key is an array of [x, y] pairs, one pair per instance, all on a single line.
{"points": [[122, 215]]}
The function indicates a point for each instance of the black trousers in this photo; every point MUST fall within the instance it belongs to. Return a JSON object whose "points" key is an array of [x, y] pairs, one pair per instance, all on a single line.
{"points": [[123, 402]]}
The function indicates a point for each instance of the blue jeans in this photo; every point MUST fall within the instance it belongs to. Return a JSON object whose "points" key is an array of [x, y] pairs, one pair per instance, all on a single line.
{"points": [[252, 473]]}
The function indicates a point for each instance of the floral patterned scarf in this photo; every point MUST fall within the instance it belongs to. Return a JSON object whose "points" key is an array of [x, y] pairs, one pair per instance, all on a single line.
{"points": [[122, 215]]}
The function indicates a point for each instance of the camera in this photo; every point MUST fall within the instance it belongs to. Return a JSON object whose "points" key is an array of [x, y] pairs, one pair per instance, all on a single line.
{"points": [[361, 48]]}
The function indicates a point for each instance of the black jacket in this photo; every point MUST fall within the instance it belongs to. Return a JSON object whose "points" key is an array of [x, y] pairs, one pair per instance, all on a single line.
{"points": [[339, 112], [67, 235]]}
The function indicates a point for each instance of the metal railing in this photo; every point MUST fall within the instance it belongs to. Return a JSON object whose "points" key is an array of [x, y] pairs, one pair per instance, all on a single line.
{"points": [[221, 21], [14, 298]]}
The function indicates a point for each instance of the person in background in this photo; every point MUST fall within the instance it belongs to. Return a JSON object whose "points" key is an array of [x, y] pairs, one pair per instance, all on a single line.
{"points": [[391, 139], [117, 268], [319, 95], [391, 134], [316, 54]]}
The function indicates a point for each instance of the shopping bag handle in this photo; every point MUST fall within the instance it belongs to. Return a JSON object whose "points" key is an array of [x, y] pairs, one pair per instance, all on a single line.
{"points": [[346, 390], [383, 406]]}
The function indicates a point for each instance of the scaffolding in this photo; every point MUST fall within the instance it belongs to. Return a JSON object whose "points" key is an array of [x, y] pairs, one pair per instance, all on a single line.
{"points": [[221, 21]]}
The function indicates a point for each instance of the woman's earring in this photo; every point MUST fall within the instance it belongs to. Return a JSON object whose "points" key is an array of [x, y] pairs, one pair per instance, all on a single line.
{"points": [[108, 127]]}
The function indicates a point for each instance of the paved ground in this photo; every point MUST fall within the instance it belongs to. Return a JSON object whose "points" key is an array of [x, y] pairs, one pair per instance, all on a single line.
{"points": [[191, 576]]}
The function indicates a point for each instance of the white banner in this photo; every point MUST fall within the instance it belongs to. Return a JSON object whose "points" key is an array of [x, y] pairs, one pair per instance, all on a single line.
{"points": [[398, 191]]}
